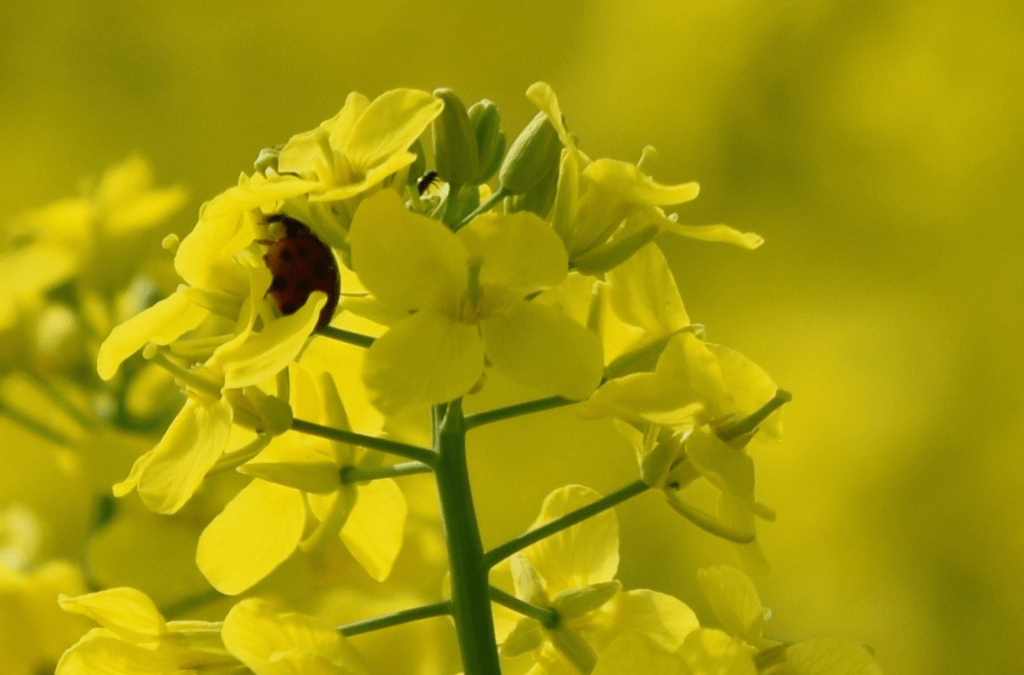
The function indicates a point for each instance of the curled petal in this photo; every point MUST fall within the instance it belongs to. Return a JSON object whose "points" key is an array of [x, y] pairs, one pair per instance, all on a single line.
{"points": [[632, 185], [389, 125]]}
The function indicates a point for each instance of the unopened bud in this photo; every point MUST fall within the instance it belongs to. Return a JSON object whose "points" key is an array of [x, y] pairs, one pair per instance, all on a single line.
{"points": [[490, 139], [533, 157], [455, 152]]}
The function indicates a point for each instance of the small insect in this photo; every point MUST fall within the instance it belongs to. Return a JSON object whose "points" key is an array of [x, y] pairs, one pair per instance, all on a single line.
{"points": [[426, 180], [301, 264]]}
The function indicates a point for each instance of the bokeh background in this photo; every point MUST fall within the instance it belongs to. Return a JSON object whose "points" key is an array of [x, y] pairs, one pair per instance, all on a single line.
{"points": [[877, 146]]}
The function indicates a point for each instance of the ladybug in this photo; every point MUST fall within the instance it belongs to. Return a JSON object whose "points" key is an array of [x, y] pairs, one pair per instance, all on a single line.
{"points": [[301, 264]]}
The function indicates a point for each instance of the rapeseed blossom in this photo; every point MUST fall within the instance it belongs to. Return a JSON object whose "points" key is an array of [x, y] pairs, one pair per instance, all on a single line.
{"points": [[295, 458]]}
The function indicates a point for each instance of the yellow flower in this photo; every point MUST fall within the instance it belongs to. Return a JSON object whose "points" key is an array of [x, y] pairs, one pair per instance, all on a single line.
{"points": [[735, 603], [462, 297], [103, 230], [135, 639], [605, 209], [703, 651], [33, 630], [265, 522], [572, 573]]}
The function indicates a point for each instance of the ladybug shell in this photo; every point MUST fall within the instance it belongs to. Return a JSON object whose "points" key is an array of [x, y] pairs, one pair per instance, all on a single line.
{"points": [[301, 264]]}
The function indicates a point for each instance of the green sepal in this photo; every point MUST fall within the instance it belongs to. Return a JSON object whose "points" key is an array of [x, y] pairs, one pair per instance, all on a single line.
{"points": [[579, 601], [455, 150], [539, 199], [644, 359], [275, 413], [490, 139], [534, 156], [616, 251], [419, 165], [315, 477]]}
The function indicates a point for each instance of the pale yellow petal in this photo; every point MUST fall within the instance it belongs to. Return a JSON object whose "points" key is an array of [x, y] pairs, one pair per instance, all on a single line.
{"points": [[161, 324], [373, 531], [643, 293], [390, 124], [270, 351], [715, 233], [630, 184], [271, 643], [519, 251], [734, 601], [663, 618], [633, 653], [406, 260], [537, 345], [254, 533], [423, 360], [125, 611], [581, 555], [189, 448]]}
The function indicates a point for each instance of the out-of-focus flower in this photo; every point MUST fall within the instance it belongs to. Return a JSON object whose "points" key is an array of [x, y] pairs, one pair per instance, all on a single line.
{"points": [[458, 298], [735, 603]]}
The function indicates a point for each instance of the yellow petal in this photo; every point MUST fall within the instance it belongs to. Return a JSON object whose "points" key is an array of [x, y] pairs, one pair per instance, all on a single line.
{"points": [[272, 643], [373, 531], [716, 233], [750, 387], [406, 260], [390, 124], [663, 618], [632, 653], [340, 126], [270, 351], [423, 360], [830, 656], [161, 324], [519, 251], [713, 651], [191, 445], [539, 346], [630, 184], [254, 533], [734, 601], [584, 554], [643, 293], [125, 611]]}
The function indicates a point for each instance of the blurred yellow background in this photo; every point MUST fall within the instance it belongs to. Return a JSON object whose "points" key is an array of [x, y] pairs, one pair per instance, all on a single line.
{"points": [[877, 146]]}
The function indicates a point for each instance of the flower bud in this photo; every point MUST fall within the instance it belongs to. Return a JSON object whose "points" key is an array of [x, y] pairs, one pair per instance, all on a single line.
{"points": [[533, 157], [267, 159], [455, 151], [616, 251], [490, 139]]}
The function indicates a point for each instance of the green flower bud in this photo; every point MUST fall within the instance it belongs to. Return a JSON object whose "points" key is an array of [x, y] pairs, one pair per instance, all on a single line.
{"points": [[490, 139], [455, 152], [533, 157], [539, 198], [267, 159], [616, 251]]}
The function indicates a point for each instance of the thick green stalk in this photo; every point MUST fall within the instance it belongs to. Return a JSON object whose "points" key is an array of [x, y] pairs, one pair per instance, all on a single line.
{"points": [[471, 605]]}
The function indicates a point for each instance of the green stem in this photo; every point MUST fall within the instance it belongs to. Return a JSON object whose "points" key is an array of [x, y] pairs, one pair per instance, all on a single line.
{"points": [[749, 424], [517, 410], [351, 474], [496, 555], [397, 618], [471, 604], [547, 617], [405, 450], [33, 425], [500, 194], [62, 401], [347, 336]]}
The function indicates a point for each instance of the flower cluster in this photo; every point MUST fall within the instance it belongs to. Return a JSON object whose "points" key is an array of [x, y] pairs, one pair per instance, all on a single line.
{"points": [[339, 309]]}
